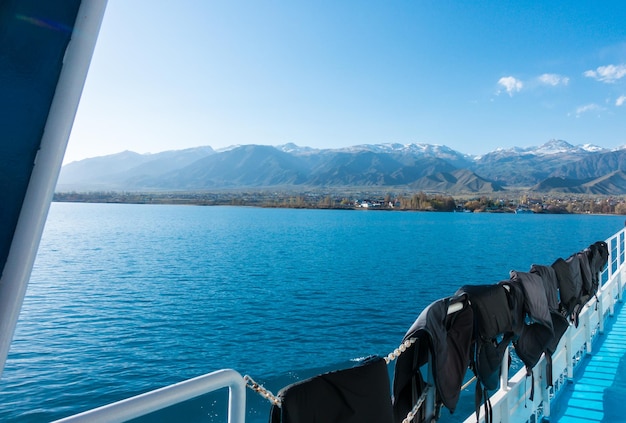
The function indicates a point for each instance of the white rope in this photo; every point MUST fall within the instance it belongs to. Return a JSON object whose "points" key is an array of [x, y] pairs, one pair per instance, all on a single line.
{"points": [[402, 348], [411, 415], [260, 389], [468, 383]]}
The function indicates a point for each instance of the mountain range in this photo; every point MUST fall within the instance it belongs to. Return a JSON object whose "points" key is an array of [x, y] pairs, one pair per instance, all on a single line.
{"points": [[556, 166]]}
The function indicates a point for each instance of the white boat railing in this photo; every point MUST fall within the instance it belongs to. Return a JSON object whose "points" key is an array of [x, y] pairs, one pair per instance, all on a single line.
{"points": [[511, 403], [158, 399]]}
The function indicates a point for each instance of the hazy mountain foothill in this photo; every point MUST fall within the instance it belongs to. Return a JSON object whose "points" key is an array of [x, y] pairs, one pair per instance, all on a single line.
{"points": [[555, 166]]}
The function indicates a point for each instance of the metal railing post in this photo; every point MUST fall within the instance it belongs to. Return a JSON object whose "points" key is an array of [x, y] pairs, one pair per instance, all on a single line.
{"points": [[569, 353], [587, 324], [504, 371], [545, 392], [430, 396], [600, 309], [620, 275]]}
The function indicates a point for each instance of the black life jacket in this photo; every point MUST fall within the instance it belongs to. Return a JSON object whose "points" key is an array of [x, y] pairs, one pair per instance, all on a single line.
{"points": [[493, 332], [550, 284], [598, 256], [408, 381], [445, 338], [579, 265], [355, 395], [570, 290], [559, 322], [560, 325], [534, 336]]}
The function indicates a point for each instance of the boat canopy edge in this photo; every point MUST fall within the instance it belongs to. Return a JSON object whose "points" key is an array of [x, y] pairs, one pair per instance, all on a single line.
{"points": [[34, 154]]}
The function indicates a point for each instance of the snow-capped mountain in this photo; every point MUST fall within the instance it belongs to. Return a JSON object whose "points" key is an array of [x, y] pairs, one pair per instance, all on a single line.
{"points": [[551, 147], [563, 147], [296, 149], [375, 165], [426, 150], [414, 150]]}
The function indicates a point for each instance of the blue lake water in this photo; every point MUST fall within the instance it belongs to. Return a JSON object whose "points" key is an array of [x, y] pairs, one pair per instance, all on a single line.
{"points": [[128, 298]]}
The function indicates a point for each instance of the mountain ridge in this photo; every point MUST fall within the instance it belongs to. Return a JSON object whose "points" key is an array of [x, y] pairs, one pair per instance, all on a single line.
{"points": [[427, 167]]}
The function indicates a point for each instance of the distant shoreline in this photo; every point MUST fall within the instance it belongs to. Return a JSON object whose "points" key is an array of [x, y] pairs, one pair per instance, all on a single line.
{"points": [[538, 203]]}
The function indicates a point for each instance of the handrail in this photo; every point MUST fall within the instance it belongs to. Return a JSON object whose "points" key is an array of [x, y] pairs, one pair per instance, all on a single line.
{"points": [[158, 399], [511, 403]]}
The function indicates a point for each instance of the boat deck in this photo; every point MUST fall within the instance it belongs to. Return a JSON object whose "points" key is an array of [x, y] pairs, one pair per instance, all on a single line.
{"points": [[599, 390]]}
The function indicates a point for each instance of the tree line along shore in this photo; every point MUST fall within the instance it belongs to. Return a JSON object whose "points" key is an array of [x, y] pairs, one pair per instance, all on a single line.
{"points": [[370, 200]]}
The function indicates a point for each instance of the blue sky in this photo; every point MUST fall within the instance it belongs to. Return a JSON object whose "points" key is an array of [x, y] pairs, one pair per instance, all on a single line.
{"points": [[474, 76]]}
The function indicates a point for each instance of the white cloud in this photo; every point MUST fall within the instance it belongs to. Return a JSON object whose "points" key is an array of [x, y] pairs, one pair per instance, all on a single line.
{"points": [[510, 84], [608, 74], [621, 100], [587, 108], [553, 79]]}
